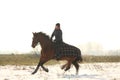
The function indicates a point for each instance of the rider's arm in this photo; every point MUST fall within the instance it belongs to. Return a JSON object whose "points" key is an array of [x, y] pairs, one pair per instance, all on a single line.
{"points": [[52, 35]]}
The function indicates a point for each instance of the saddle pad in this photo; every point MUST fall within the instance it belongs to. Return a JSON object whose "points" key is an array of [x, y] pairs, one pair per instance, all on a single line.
{"points": [[68, 50]]}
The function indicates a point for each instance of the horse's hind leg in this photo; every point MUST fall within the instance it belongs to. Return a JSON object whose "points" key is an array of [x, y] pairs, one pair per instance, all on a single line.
{"points": [[64, 66], [68, 65], [76, 66]]}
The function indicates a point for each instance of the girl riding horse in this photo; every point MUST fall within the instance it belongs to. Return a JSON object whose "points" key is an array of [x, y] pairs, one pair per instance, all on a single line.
{"points": [[69, 53]]}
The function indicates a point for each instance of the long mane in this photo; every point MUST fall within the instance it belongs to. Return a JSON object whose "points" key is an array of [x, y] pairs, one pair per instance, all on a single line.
{"points": [[46, 36]]}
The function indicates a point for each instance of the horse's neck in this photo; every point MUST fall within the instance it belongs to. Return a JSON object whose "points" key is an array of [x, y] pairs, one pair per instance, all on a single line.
{"points": [[45, 44], [47, 48]]}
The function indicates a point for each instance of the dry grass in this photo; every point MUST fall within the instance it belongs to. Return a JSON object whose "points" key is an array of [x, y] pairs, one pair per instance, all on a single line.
{"points": [[19, 59], [101, 58], [32, 59]]}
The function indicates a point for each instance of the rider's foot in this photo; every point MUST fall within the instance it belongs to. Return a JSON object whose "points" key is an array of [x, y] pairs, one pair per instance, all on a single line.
{"points": [[57, 57]]}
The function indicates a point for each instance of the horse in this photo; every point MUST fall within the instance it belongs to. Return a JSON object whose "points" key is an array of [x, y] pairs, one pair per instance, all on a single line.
{"points": [[48, 53]]}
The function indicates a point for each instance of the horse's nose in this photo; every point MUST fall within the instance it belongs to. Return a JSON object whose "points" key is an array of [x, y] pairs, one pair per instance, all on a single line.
{"points": [[32, 46]]}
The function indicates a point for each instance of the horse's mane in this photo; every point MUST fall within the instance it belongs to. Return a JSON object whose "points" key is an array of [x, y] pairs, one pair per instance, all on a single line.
{"points": [[45, 35], [47, 41]]}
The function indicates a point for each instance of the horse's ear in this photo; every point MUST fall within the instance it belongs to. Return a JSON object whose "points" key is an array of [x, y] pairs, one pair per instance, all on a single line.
{"points": [[33, 33]]}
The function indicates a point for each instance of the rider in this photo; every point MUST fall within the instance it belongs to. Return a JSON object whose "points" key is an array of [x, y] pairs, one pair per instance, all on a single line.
{"points": [[58, 39]]}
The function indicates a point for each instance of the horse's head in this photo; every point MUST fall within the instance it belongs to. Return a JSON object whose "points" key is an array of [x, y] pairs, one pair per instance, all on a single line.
{"points": [[35, 39], [41, 38]]}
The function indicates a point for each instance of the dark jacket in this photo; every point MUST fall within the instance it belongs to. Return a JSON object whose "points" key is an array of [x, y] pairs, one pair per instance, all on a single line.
{"points": [[58, 35]]}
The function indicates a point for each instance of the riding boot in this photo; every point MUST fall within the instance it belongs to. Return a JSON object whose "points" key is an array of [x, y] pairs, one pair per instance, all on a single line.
{"points": [[58, 56], [57, 50]]}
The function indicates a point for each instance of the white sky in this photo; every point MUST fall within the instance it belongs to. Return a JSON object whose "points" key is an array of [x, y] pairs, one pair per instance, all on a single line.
{"points": [[82, 21]]}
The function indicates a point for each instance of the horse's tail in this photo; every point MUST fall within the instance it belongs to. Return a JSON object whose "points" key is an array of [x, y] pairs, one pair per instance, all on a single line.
{"points": [[79, 57]]}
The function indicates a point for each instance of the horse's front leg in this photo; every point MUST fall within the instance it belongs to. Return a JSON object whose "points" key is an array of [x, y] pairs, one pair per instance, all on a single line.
{"points": [[39, 64], [45, 69]]}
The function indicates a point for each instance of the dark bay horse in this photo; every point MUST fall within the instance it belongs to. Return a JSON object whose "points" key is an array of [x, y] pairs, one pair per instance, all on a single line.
{"points": [[48, 53]]}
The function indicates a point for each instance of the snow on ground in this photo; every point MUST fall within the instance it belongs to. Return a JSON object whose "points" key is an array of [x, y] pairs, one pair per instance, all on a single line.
{"points": [[88, 71]]}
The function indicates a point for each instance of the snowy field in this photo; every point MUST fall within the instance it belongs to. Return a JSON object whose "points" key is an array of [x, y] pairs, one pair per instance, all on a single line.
{"points": [[88, 71]]}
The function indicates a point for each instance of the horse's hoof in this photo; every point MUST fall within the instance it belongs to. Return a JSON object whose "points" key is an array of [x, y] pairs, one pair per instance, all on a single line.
{"points": [[33, 73], [46, 70], [62, 67]]}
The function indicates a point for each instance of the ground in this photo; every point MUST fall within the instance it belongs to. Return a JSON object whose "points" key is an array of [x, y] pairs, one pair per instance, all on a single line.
{"points": [[88, 71]]}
